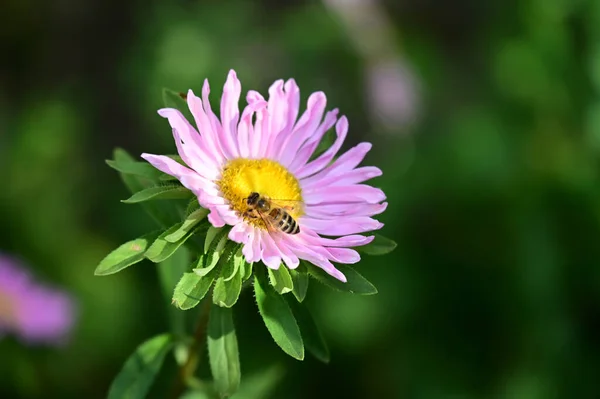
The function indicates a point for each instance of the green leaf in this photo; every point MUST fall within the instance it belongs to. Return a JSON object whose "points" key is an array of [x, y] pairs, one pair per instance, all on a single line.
{"points": [[215, 239], [229, 284], [188, 224], [161, 249], [162, 213], [143, 169], [192, 287], [126, 255], [223, 351], [379, 246], [356, 283], [173, 99], [313, 339], [300, 279], [281, 280], [278, 317], [159, 193], [247, 270], [137, 375]]}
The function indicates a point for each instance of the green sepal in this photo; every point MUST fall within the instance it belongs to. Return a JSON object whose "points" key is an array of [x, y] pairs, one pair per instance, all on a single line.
{"points": [[164, 192], [223, 352], [187, 225], [300, 279], [281, 280], [311, 334], [229, 284], [278, 317], [125, 255], [161, 249], [139, 371], [356, 283], [379, 246]]}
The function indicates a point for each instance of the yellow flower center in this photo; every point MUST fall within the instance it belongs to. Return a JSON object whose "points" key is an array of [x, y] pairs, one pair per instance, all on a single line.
{"points": [[268, 178]]}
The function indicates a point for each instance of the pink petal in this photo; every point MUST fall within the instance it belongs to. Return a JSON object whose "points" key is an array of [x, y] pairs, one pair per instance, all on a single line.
{"points": [[290, 259], [188, 177], [309, 147], [353, 193], [332, 211], [230, 114], [310, 254], [304, 129], [341, 226], [354, 176], [251, 249], [188, 142], [292, 93], [341, 128], [205, 127], [343, 255], [270, 253]]}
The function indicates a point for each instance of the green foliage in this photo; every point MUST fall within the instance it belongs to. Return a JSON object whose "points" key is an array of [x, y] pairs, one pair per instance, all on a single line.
{"points": [[138, 373], [356, 283], [311, 335], [162, 249], [160, 193], [281, 280], [194, 286], [137, 168], [223, 351], [173, 99], [162, 212], [229, 284], [125, 255], [379, 246], [187, 225], [300, 282], [278, 317]]}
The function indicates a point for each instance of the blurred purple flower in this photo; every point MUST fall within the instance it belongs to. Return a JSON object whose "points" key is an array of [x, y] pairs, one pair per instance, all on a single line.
{"points": [[35, 313]]}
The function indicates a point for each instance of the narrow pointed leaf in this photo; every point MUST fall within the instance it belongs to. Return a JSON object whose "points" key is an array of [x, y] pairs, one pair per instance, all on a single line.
{"points": [[247, 270], [137, 168], [188, 224], [229, 284], [356, 283], [379, 246], [159, 193], [125, 255], [313, 339], [161, 249], [223, 351], [138, 373], [281, 280], [192, 287], [278, 318], [300, 279], [162, 213]]}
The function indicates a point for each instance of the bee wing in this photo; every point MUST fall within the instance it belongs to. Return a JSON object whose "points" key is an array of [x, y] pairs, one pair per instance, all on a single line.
{"points": [[288, 205]]}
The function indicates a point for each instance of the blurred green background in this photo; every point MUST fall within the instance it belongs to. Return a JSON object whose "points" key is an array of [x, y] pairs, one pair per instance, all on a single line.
{"points": [[485, 118]]}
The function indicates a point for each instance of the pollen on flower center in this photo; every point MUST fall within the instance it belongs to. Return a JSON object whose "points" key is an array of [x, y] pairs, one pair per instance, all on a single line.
{"points": [[269, 178]]}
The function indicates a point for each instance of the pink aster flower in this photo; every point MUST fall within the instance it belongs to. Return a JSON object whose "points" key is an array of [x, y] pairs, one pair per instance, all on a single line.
{"points": [[35, 313], [270, 151]]}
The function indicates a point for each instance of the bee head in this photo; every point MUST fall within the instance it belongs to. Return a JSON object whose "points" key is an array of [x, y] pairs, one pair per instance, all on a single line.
{"points": [[253, 198]]}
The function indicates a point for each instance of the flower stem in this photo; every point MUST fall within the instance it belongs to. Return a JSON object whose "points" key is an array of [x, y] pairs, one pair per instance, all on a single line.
{"points": [[188, 368]]}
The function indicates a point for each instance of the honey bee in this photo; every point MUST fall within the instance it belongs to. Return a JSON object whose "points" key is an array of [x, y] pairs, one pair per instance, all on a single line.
{"points": [[275, 216]]}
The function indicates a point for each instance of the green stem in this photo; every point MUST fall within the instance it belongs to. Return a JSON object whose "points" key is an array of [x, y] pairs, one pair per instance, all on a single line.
{"points": [[188, 369]]}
